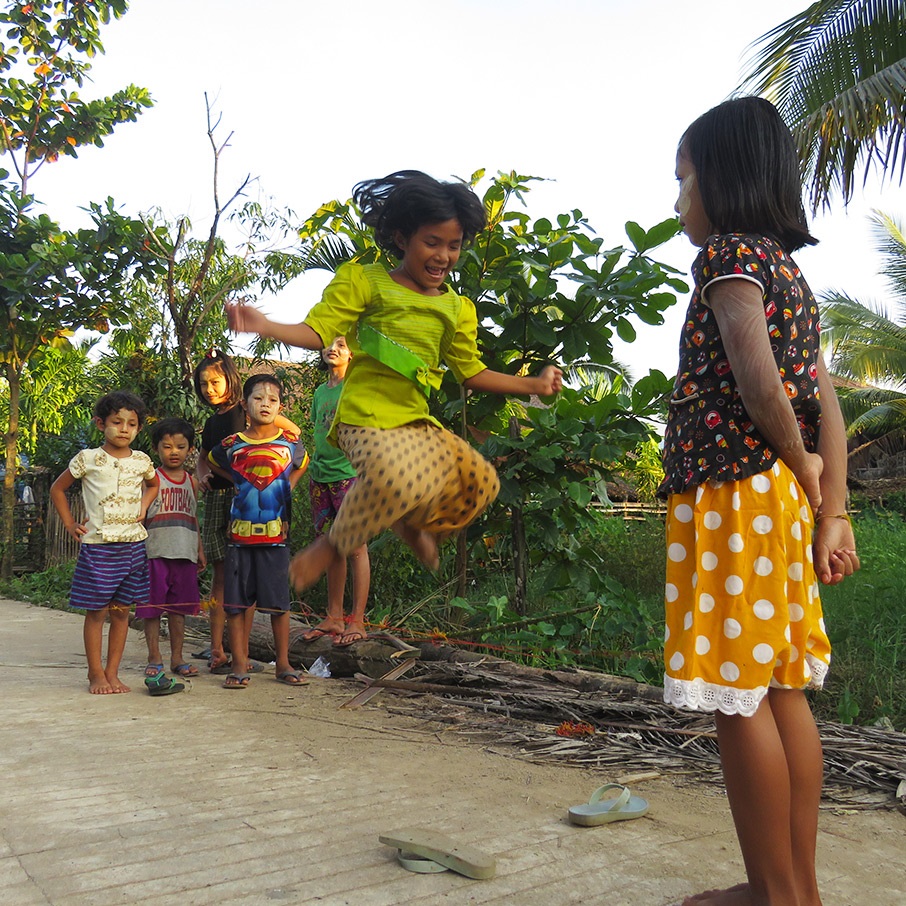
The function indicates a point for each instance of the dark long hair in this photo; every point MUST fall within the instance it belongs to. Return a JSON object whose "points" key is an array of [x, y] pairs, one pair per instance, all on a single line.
{"points": [[214, 358], [409, 199], [747, 171]]}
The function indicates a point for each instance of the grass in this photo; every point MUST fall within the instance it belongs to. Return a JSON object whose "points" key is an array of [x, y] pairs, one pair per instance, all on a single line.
{"points": [[618, 627]]}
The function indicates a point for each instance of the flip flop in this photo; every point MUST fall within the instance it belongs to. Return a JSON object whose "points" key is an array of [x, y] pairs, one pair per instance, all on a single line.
{"points": [[416, 845], [314, 634], [163, 684], [291, 678], [345, 639], [239, 681], [154, 670], [226, 668], [203, 655], [598, 811], [185, 670]]}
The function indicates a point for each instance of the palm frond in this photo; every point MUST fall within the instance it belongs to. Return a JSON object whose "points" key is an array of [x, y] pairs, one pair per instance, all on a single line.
{"points": [[328, 252], [891, 243], [837, 73], [866, 345]]}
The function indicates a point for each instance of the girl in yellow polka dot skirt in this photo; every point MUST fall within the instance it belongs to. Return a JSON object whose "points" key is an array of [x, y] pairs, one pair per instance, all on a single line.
{"points": [[413, 476], [755, 464]]}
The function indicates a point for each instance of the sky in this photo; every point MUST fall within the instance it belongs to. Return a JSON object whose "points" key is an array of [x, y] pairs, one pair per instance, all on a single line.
{"points": [[592, 95]]}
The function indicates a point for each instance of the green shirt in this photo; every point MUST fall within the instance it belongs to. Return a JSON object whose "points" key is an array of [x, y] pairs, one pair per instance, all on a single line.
{"points": [[328, 464], [435, 328]]}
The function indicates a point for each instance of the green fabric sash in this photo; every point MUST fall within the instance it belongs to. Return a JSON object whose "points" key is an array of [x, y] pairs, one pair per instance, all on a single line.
{"points": [[398, 358]]}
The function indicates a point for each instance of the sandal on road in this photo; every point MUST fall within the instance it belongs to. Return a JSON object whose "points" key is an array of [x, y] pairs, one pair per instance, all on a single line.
{"points": [[602, 811], [163, 684], [418, 846], [237, 681], [291, 678]]}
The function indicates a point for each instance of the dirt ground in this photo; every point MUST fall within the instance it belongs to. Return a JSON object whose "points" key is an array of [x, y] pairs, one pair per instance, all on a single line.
{"points": [[276, 794]]}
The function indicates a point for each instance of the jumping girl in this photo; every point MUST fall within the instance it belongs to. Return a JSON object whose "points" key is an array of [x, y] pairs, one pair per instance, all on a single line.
{"points": [[755, 462], [413, 476]]}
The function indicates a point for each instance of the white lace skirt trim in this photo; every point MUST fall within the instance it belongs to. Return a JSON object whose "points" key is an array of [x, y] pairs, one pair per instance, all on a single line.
{"points": [[697, 695]]}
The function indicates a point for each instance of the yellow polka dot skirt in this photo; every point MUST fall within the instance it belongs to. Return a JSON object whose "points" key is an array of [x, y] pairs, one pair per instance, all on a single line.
{"points": [[742, 603], [422, 474]]}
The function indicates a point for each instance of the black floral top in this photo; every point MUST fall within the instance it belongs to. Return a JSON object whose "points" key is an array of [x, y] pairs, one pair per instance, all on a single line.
{"points": [[709, 434]]}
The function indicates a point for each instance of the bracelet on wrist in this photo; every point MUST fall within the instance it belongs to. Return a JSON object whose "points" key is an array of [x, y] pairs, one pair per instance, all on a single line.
{"points": [[834, 516]]}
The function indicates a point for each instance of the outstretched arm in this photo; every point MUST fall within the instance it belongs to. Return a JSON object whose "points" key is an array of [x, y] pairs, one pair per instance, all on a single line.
{"points": [[248, 319], [549, 382]]}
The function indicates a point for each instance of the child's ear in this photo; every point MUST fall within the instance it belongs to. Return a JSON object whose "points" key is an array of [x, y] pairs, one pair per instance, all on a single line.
{"points": [[99, 424]]}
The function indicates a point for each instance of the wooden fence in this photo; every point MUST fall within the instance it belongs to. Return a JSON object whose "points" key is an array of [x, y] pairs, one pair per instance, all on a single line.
{"points": [[632, 511]]}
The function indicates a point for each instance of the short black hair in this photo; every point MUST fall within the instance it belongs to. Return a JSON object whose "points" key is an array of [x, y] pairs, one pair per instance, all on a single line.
{"points": [[169, 427], [120, 399], [409, 199], [747, 171], [257, 379], [214, 358]]}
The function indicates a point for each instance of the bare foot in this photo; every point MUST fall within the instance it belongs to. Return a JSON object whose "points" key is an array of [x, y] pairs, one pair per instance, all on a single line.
{"points": [[327, 626], [354, 632], [98, 685], [738, 895], [423, 544], [117, 685], [310, 564]]}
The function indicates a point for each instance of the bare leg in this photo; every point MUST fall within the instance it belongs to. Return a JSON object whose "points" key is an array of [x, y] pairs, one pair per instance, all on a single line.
{"points": [[280, 628], [361, 584], [217, 616], [152, 640], [423, 544], [116, 645], [775, 877], [805, 762], [310, 564], [239, 640], [93, 637], [758, 788], [333, 623], [177, 624]]}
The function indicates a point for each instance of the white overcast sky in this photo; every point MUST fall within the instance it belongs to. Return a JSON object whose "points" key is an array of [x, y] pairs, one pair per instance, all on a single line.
{"points": [[591, 94]]}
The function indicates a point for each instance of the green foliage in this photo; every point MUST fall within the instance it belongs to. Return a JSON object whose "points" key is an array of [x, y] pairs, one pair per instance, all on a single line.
{"points": [[44, 58], [48, 589], [868, 349], [52, 281], [546, 291], [837, 73], [866, 623]]}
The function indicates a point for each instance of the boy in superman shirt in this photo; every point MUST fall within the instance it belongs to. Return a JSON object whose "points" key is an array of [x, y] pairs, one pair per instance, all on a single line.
{"points": [[265, 463]]}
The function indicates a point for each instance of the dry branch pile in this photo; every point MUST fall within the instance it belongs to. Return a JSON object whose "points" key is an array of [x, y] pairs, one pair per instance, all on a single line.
{"points": [[518, 709]]}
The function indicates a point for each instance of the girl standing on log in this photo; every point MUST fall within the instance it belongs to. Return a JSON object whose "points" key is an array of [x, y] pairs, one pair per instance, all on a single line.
{"points": [[414, 476], [755, 463], [330, 478]]}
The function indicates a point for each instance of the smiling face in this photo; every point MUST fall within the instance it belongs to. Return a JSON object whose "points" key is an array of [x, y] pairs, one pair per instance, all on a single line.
{"points": [[263, 404], [429, 255], [214, 386], [336, 356], [119, 430], [689, 205], [172, 451]]}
